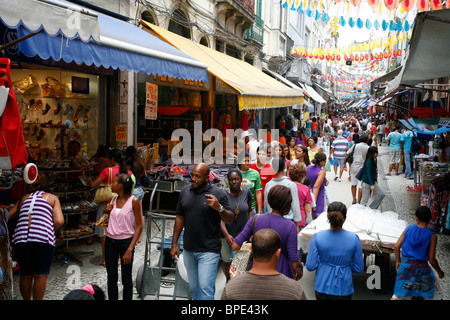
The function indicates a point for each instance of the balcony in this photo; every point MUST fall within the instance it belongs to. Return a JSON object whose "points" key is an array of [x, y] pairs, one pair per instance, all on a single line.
{"points": [[236, 16], [256, 32]]}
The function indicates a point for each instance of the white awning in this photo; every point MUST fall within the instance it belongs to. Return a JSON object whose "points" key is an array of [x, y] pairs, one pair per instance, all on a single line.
{"points": [[284, 80], [312, 93], [54, 16], [428, 56]]}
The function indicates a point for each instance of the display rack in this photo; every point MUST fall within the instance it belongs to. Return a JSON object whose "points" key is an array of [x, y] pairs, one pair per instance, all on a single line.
{"points": [[69, 208]]}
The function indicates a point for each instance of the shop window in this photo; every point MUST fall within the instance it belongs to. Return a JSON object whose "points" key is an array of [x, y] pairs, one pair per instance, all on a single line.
{"points": [[57, 107]]}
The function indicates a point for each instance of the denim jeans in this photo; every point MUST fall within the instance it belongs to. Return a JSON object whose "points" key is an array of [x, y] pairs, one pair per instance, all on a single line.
{"points": [[113, 250], [408, 170], [379, 195], [201, 270], [138, 193]]}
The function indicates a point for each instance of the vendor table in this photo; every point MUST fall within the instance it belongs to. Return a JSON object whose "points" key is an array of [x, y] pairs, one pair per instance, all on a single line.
{"points": [[377, 231]]}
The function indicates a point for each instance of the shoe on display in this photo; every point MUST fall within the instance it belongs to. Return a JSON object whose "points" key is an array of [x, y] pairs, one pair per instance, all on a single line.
{"points": [[30, 104], [68, 109], [47, 124], [41, 134], [57, 110], [77, 112], [68, 124], [34, 129], [47, 107], [37, 105]]}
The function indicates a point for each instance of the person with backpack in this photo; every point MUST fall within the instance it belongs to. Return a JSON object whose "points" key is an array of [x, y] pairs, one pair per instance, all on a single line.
{"points": [[408, 153]]}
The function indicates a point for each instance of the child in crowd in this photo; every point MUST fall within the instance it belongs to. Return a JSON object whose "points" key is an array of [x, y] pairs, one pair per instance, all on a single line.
{"points": [[415, 278]]}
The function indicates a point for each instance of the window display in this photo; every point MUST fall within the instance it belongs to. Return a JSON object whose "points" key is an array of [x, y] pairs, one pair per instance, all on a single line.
{"points": [[57, 107]]}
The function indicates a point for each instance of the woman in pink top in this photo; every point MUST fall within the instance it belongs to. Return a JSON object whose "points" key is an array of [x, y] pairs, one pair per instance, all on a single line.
{"points": [[297, 173], [123, 232], [118, 165]]}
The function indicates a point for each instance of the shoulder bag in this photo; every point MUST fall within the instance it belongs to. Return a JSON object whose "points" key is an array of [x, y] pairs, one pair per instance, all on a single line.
{"points": [[104, 193], [242, 259]]}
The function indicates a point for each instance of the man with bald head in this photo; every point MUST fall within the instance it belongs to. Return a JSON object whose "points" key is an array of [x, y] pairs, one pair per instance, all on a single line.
{"points": [[201, 206]]}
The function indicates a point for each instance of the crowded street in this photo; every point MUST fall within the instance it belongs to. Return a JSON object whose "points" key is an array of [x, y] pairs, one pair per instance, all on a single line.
{"points": [[226, 150]]}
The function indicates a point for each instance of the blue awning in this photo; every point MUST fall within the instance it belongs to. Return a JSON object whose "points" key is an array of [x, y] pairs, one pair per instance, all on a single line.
{"points": [[122, 45], [419, 127]]}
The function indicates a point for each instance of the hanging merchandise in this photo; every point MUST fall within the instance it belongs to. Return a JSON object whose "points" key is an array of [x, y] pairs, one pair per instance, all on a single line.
{"points": [[422, 5], [12, 144]]}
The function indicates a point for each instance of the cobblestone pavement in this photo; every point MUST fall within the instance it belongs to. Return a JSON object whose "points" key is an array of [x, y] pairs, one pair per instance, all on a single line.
{"points": [[69, 276]]}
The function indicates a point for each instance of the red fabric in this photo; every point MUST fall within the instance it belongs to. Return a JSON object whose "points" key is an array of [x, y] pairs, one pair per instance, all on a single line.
{"points": [[12, 143], [244, 122], [173, 111]]}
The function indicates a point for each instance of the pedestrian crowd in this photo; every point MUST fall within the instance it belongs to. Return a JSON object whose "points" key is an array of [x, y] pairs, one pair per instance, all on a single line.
{"points": [[278, 189]]}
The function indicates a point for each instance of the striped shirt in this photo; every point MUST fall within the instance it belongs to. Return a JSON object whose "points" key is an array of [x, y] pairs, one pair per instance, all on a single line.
{"points": [[42, 228], [340, 147], [249, 286]]}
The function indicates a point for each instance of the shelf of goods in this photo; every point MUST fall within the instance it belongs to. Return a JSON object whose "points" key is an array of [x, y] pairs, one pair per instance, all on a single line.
{"points": [[76, 198], [430, 170]]}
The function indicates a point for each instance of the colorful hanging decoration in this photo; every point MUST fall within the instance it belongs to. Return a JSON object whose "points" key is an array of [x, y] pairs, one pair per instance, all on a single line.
{"points": [[436, 4], [407, 5]]}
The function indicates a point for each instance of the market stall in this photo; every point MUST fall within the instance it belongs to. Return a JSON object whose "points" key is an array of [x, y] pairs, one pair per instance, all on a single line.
{"points": [[378, 232]]}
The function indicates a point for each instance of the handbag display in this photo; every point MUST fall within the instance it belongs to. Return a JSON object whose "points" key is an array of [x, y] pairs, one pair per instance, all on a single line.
{"points": [[242, 260], [53, 88], [104, 192], [26, 84]]}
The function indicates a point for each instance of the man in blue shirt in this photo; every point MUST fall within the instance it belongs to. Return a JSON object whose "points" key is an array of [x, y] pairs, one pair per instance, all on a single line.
{"points": [[406, 140], [395, 149]]}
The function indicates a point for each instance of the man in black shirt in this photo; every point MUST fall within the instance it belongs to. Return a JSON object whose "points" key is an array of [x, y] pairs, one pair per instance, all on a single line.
{"points": [[201, 207]]}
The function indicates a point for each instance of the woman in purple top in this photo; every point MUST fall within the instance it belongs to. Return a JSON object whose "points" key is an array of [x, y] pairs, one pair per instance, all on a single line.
{"points": [[280, 199], [316, 174]]}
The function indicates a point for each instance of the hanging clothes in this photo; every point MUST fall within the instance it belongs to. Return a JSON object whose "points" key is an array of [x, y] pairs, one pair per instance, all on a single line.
{"points": [[12, 143]]}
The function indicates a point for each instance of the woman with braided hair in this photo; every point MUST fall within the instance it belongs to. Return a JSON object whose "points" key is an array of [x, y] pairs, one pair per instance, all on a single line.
{"points": [[335, 254]]}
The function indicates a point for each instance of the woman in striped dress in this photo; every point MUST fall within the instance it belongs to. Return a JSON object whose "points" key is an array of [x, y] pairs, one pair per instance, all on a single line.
{"points": [[34, 240]]}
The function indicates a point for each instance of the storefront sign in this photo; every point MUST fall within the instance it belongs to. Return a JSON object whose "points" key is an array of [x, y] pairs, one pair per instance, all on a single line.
{"points": [[223, 87], [175, 82], [121, 133], [151, 101]]}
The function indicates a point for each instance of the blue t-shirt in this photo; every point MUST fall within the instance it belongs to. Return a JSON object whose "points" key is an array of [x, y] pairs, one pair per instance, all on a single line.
{"points": [[394, 140], [416, 242], [407, 138]]}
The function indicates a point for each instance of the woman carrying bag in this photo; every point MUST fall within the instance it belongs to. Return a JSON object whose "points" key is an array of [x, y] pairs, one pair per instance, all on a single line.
{"points": [[369, 180], [122, 234], [106, 177]]}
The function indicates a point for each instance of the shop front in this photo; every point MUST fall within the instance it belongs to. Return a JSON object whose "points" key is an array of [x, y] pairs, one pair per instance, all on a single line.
{"points": [[237, 91], [67, 82]]}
